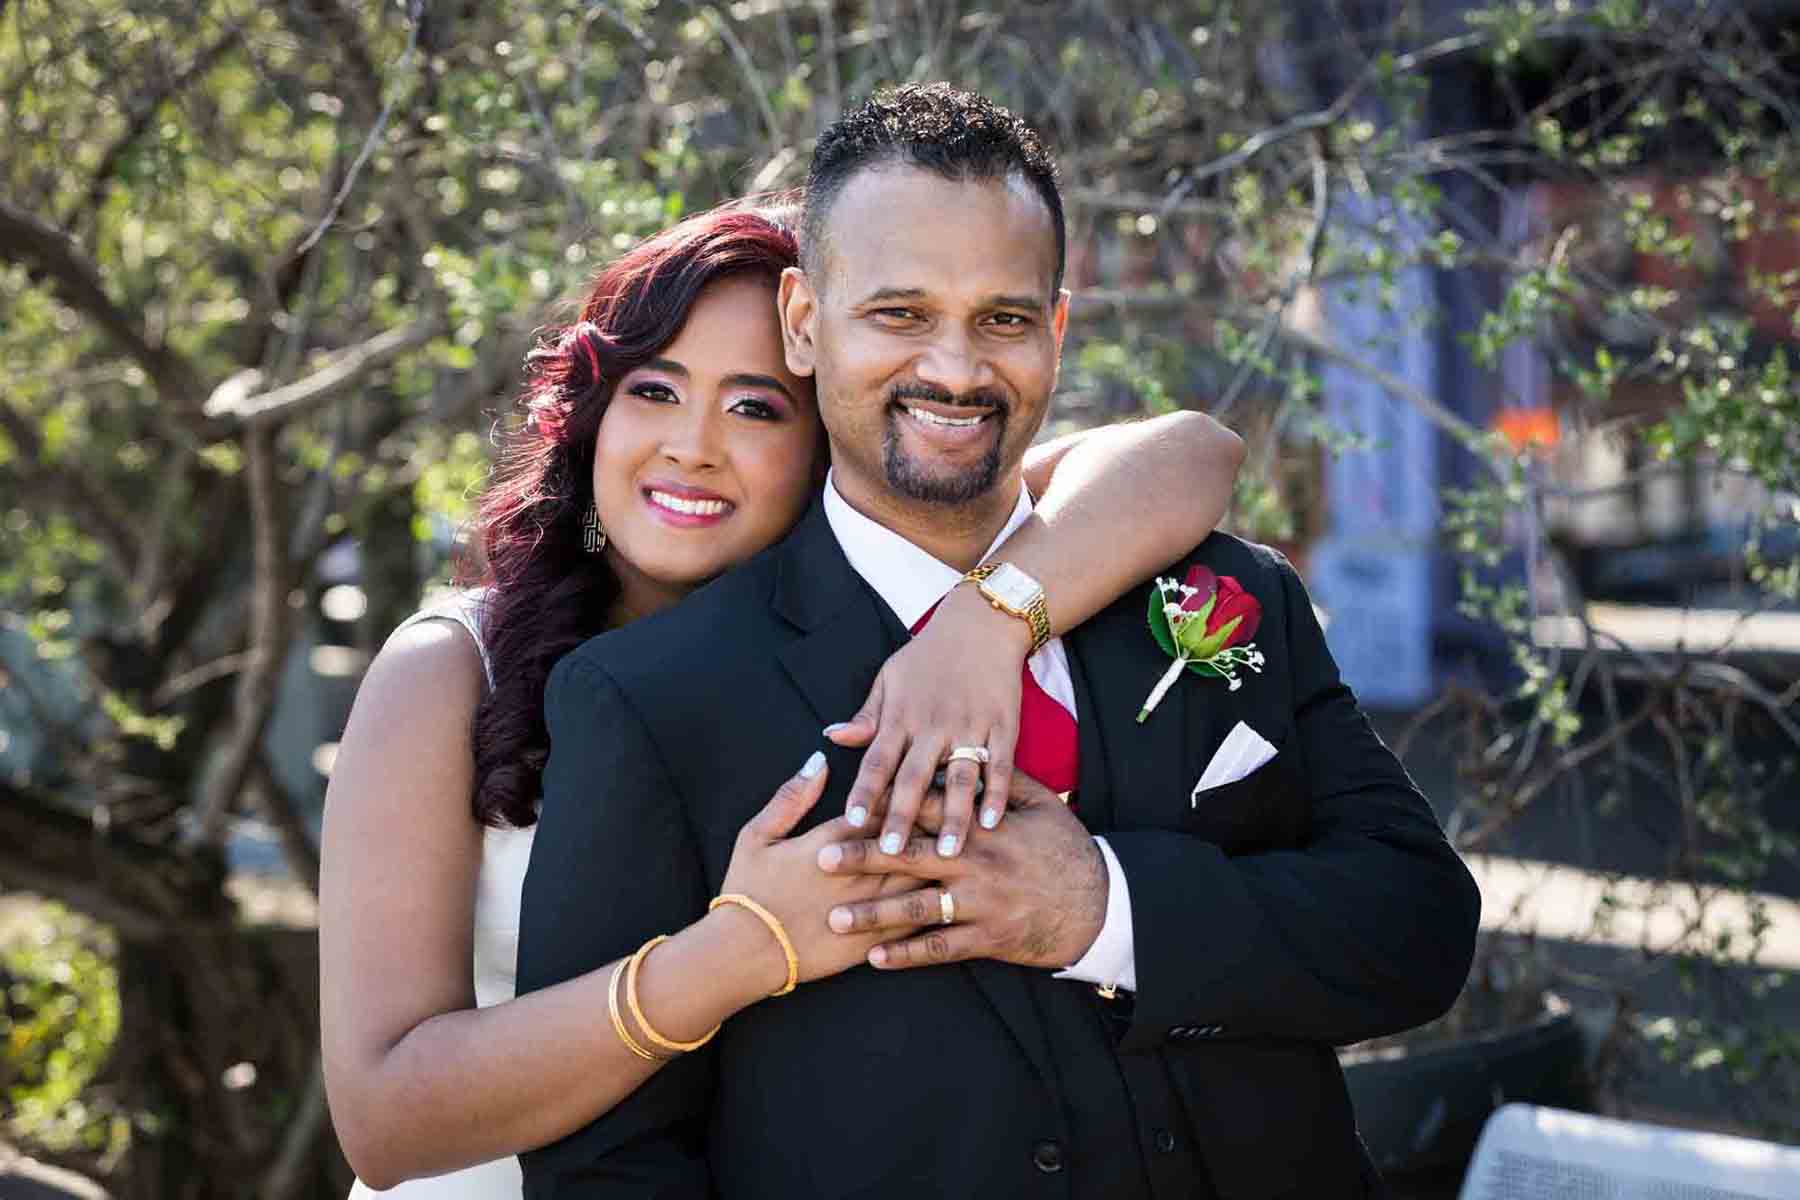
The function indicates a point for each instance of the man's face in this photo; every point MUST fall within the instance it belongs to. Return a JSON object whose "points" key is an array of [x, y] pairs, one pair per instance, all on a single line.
{"points": [[933, 335]]}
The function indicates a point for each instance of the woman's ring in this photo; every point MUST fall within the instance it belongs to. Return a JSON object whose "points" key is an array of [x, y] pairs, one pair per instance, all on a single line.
{"points": [[946, 908], [974, 754]]}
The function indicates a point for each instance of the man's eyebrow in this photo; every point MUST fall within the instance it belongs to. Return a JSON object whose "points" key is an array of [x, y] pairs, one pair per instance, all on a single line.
{"points": [[893, 293], [1021, 300], [750, 379]]}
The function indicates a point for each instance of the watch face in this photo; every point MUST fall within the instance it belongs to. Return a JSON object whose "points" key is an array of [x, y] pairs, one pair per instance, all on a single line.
{"points": [[1013, 587]]}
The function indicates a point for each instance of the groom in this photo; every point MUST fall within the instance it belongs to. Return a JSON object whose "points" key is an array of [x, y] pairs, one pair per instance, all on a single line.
{"points": [[1242, 930]]}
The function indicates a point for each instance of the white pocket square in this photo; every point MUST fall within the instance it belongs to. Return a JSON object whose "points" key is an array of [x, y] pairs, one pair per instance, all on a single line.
{"points": [[1242, 751]]}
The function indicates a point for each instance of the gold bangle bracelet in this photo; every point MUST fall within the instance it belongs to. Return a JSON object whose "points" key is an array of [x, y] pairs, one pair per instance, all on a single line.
{"points": [[774, 923], [612, 1008], [637, 1013]]}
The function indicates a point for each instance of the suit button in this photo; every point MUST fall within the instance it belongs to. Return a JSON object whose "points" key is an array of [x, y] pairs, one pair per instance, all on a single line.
{"points": [[1049, 1157], [1165, 1141]]}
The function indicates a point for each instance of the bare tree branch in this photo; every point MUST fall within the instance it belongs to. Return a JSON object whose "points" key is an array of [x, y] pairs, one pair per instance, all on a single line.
{"points": [[1434, 412], [753, 79], [1274, 135], [237, 399], [1107, 200], [173, 689], [288, 1171], [1309, 266], [135, 887], [100, 513], [828, 49], [255, 701], [53, 254], [1520, 798], [143, 116], [282, 812], [415, 10]]}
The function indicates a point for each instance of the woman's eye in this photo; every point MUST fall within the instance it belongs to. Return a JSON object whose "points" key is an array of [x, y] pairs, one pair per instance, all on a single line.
{"points": [[656, 393], [755, 406]]}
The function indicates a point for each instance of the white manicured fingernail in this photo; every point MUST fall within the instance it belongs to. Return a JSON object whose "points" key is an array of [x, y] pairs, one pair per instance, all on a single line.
{"points": [[835, 726], [877, 956], [814, 765], [890, 843], [830, 857], [947, 846], [857, 816], [990, 817], [840, 920]]}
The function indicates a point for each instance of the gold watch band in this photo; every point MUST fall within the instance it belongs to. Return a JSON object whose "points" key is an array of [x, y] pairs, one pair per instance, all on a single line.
{"points": [[1036, 614]]}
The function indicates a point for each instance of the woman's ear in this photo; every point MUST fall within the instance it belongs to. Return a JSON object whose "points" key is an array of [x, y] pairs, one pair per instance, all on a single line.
{"points": [[798, 309]]}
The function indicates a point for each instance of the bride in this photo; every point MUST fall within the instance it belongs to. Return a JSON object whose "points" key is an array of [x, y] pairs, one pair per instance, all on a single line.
{"points": [[433, 1068]]}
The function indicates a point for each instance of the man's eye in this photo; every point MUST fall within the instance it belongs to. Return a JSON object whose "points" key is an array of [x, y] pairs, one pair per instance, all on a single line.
{"points": [[1011, 320], [896, 314], [656, 393]]}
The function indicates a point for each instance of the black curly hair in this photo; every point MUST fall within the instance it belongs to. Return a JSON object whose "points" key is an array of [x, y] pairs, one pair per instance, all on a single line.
{"points": [[936, 127]]}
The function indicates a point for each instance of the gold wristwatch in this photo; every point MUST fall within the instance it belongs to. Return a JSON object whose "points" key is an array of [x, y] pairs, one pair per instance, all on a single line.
{"points": [[1017, 594]]}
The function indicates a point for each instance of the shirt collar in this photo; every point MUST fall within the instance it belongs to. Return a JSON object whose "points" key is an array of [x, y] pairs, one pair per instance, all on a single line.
{"points": [[908, 579]]}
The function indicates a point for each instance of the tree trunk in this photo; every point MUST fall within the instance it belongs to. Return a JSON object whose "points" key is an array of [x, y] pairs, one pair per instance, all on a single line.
{"points": [[219, 1019]]}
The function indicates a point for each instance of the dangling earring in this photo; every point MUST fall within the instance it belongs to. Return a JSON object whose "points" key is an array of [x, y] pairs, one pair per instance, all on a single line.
{"points": [[593, 538]]}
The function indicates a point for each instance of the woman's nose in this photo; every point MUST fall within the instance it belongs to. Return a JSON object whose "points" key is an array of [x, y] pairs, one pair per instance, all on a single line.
{"points": [[695, 441]]}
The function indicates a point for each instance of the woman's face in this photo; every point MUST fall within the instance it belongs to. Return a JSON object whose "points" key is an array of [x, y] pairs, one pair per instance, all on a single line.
{"points": [[706, 454]]}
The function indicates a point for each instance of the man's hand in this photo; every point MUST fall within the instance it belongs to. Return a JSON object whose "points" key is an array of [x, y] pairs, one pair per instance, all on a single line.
{"points": [[1032, 893]]}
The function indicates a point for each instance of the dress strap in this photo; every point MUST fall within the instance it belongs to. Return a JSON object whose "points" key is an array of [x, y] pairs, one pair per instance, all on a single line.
{"points": [[466, 608]]}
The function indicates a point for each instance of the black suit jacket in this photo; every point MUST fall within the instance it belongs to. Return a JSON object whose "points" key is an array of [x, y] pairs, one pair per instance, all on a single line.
{"points": [[1314, 904]]}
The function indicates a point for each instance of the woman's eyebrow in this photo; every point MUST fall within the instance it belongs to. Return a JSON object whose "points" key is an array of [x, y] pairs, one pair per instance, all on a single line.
{"points": [[668, 365]]}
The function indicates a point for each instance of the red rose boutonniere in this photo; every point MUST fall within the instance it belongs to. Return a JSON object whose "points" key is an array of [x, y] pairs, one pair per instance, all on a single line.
{"points": [[1205, 624]]}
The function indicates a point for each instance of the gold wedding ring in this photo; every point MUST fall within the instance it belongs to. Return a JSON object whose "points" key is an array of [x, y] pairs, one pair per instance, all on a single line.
{"points": [[974, 754], [946, 908]]}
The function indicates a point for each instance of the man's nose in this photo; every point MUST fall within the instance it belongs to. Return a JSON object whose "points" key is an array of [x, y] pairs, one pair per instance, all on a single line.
{"points": [[954, 362]]}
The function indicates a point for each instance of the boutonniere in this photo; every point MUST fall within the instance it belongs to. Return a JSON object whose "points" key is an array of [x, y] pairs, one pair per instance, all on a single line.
{"points": [[1205, 624]]}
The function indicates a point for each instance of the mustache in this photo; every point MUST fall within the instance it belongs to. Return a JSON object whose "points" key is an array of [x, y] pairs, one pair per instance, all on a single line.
{"points": [[979, 398]]}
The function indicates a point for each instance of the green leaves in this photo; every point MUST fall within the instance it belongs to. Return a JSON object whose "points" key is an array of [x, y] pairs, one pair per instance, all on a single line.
{"points": [[59, 1017]]}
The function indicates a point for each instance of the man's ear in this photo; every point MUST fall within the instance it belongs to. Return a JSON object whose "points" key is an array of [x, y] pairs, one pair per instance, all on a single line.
{"points": [[798, 308]]}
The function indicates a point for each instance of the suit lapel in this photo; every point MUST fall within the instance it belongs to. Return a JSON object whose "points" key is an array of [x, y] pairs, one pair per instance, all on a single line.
{"points": [[1093, 792], [845, 638], [847, 632], [1143, 765]]}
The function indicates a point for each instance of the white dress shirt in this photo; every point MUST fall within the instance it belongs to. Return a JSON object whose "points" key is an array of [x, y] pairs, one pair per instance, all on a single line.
{"points": [[911, 581]]}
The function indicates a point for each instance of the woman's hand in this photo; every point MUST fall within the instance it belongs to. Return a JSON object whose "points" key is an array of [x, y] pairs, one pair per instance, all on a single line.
{"points": [[782, 874], [957, 683]]}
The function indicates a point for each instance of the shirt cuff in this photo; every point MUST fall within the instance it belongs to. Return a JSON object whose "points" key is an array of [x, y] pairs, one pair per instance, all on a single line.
{"points": [[1112, 960]]}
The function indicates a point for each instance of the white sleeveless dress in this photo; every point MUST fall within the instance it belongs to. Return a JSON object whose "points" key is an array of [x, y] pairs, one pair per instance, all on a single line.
{"points": [[504, 855]]}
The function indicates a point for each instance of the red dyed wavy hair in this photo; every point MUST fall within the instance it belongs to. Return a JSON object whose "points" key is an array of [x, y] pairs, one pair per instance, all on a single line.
{"points": [[547, 596]]}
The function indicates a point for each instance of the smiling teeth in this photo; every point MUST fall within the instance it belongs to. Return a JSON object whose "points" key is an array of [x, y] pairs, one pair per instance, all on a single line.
{"points": [[931, 418], [693, 508]]}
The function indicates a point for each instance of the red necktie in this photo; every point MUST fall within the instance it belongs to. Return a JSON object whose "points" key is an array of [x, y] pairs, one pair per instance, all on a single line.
{"points": [[1049, 746]]}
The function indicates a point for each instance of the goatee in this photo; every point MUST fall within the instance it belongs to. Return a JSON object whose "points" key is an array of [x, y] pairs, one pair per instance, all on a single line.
{"points": [[911, 479]]}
